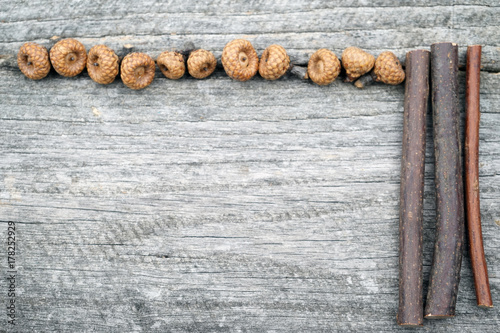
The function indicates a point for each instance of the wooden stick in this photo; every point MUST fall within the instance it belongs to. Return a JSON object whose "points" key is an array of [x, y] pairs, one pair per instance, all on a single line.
{"points": [[478, 261], [447, 260], [411, 312], [299, 71], [365, 80]]}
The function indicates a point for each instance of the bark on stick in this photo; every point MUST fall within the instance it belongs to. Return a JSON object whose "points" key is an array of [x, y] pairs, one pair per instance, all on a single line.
{"points": [[411, 311], [478, 260], [447, 260]]}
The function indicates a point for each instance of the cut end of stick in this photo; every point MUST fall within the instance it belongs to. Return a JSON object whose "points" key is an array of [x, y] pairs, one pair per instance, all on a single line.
{"points": [[364, 81], [359, 85], [485, 306], [419, 50], [431, 316], [299, 71], [414, 322], [411, 324], [441, 43]]}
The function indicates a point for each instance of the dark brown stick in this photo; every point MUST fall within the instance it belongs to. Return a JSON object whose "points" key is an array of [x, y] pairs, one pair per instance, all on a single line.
{"points": [[126, 49], [411, 312], [299, 71], [364, 81], [478, 261], [447, 260]]}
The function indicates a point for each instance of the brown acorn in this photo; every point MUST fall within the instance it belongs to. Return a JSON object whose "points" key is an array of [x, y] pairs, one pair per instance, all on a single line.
{"points": [[388, 69], [240, 60], [323, 67], [137, 70], [68, 57], [356, 62], [102, 64], [171, 64], [201, 63], [274, 62], [33, 61]]}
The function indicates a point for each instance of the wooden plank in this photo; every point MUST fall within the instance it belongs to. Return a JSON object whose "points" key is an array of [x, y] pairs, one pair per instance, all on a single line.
{"points": [[378, 27], [217, 205]]}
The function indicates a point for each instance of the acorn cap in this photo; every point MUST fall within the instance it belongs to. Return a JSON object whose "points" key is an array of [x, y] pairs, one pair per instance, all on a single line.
{"points": [[323, 67], [33, 61], [356, 62], [171, 64], [240, 60], [68, 57], [137, 70], [388, 69], [274, 62], [201, 63], [102, 64]]}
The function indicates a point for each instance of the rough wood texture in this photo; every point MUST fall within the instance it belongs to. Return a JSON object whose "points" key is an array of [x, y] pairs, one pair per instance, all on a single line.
{"points": [[218, 206], [473, 208], [450, 223], [411, 209]]}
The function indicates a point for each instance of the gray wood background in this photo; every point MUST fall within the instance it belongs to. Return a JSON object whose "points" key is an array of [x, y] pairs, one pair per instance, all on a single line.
{"points": [[219, 206]]}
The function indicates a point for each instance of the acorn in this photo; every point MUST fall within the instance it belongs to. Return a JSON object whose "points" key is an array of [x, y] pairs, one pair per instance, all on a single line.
{"points": [[274, 62], [33, 61], [239, 59], [201, 63], [356, 62], [323, 67], [171, 64], [68, 57], [102, 64], [388, 69], [137, 70]]}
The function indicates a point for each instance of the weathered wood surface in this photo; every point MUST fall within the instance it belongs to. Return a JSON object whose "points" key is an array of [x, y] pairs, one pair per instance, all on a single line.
{"points": [[213, 205]]}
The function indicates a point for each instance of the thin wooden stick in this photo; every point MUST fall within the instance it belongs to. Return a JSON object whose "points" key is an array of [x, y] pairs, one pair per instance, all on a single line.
{"points": [[410, 311], [478, 260], [450, 228]]}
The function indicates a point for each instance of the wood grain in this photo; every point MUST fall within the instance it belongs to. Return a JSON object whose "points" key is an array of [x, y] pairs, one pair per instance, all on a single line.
{"points": [[218, 206]]}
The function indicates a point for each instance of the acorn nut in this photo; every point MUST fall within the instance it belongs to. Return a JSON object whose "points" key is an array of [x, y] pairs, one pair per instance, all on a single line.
{"points": [[201, 63], [33, 61], [240, 60], [356, 62], [274, 62], [68, 57], [323, 67], [388, 69], [171, 64], [102, 64], [137, 70]]}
